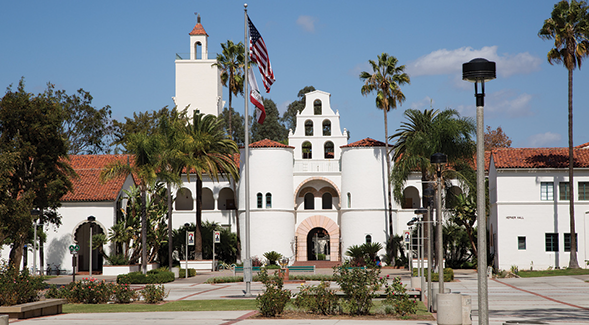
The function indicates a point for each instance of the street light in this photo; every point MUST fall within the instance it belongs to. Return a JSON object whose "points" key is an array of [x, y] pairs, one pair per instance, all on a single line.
{"points": [[36, 213], [439, 160], [91, 220], [186, 225], [422, 211], [478, 71]]}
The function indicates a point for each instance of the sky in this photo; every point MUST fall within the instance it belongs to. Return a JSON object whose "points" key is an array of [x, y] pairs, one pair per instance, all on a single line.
{"points": [[123, 52]]}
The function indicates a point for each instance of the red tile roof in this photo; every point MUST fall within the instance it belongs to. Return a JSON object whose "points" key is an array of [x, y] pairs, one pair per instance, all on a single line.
{"points": [[539, 158], [583, 146], [198, 30], [368, 142], [87, 187], [267, 143]]}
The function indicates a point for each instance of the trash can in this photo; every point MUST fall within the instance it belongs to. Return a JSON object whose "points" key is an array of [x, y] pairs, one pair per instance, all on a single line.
{"points": [[449, 309]]}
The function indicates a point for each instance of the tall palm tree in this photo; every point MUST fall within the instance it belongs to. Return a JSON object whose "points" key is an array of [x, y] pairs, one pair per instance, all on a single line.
{"points": [[211, 153], [173, 159], [231, 62], [145, 150], [423, 134], [568, 25], [386, 79]]}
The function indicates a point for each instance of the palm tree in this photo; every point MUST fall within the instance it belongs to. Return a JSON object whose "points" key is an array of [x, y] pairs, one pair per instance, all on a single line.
{"points": [[231, 62], [210, 153], [145, 150], [569, 27], [422, 135], [386, 79], [173, 159]]}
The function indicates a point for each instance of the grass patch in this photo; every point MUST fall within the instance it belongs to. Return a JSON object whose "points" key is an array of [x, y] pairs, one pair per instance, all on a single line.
{"points": [[561, 272], [182, 305]]}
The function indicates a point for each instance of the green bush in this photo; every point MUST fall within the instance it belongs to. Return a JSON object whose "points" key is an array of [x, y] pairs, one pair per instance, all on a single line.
{"points": [[123, 294], [118, 259], [152, 276], [182, 273], [272, 257], [398, 298], [18, 287], [448, 274], [154, 293], [317, 299], [272, 302], [93, 291], [225, 279], [359, 286]]}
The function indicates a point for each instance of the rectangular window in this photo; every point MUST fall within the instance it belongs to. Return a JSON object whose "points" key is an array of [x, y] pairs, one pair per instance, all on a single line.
{"points": [[551, 242], [521, 243], [563, 191], [583, 191], [547, 191], [567, 242]]}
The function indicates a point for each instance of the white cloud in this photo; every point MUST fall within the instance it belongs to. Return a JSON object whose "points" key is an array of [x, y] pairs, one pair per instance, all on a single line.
{"points": [[358, 68], [426, 102], [445, 61], [507, 103], [282, 107], [307, 23], [547, 139]]}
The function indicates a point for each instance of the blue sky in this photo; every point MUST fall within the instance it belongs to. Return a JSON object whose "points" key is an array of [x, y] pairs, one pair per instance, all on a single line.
{"points": [[123, 53]]}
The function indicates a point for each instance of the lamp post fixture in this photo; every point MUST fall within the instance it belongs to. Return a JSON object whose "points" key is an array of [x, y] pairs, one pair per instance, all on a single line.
{"points": [[186, 225], [439, 160], [36, 213], [429, 222], [91, 220], [478, 71]]}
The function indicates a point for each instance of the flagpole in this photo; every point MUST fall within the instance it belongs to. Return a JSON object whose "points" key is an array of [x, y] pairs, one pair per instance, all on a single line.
{"points": [[247, 264]]}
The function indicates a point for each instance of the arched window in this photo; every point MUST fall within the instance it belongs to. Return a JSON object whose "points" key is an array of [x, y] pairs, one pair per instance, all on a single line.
{"points": [[307, 150], [326, 201], [226, 199], [198, 50], [328, 150], [208, 202], [184, 199], [260, 200], [327, 128], [309, 201], [317, 107], [349, 200], [368, 239], [268, 200], [308, 127]]}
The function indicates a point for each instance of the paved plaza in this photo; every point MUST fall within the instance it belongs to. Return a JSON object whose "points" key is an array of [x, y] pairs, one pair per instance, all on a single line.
{"points": [[548, 300]]}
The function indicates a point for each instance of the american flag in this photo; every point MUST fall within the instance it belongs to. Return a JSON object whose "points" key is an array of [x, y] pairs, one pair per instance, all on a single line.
{"points": [[259, 54]]}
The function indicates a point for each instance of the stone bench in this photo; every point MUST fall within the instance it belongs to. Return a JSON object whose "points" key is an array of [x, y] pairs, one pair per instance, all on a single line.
{"points": [[34, 309]]}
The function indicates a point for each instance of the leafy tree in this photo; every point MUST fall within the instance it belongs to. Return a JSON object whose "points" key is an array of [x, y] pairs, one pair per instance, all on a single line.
{"points": [[238, 125], [231, 62], [464, 214], [496, 139], [143, 122], [386, 80], [289, 118], [568, 26], [35, 160], [86, 128], [211, 154], [271, 128]]}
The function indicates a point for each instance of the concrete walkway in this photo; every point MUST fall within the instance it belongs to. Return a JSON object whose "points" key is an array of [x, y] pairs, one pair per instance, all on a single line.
{"points": [[552, 300]]}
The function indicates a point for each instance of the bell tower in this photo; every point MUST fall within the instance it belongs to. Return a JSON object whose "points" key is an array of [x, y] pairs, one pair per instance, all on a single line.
{"points": [[198, 82]]}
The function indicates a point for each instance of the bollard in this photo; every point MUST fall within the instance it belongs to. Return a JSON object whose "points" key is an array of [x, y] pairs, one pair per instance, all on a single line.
{"points": [[466, 310], [416, 282], [3, 319]]}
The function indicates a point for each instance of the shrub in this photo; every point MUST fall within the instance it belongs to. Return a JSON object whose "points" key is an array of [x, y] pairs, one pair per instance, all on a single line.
{"points": [[154, 293], [182, 273], [18, 287], [87, 291], [272, 257], [152, 276], [225, 279], [317, 299], [448, 274], [118, 259], [272, 302], [123, 294], [359, 286], [398, 298]]}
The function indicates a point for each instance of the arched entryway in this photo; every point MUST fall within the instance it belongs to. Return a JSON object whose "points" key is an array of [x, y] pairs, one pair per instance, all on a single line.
{"points": [[82, 238], [318, 248], [317, 229]]}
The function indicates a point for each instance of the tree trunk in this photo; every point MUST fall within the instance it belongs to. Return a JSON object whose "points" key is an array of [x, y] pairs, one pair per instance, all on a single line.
{"points": [[573, 263], [143, 231], [16, 253], [230, 117], [170, 226], [388, 180], [198, 230]]}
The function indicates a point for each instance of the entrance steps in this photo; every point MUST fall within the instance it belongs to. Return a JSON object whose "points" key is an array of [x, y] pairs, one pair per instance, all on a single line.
{"points": [[318, 264]]}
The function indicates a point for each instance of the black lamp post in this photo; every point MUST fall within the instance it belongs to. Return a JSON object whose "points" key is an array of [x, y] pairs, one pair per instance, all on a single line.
{"points": [[439, 160], [91, 220], [478, 71]]}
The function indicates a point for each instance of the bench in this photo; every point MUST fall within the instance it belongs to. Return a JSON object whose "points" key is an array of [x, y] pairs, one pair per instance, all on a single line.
{"points": [[34, 309], [307, 268], [239, 269]]}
